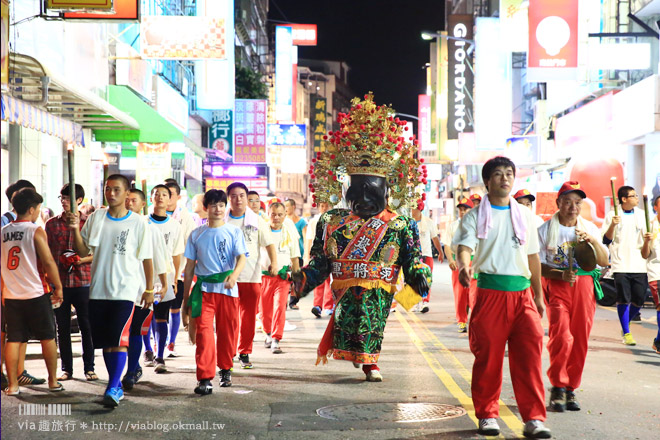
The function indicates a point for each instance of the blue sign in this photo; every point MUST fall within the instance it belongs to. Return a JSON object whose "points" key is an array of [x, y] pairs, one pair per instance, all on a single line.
{"points": [[287, 134]]}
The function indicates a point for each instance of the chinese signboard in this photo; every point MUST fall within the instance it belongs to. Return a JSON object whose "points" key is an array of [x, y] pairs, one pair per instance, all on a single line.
{"points": [[258, 184], [304, 34], [287, 134], [153, 162], [513, 17], [424, 123], [221, 138], [5, 42], [195, 38], [128, 10], [283, 73], [250, 131], [319, 120], [79, 4], [553, 40]]}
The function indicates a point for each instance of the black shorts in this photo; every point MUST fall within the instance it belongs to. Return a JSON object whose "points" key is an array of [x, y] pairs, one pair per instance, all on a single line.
{"points": [[162, 310], [29, 319], [3, 319], [141, 321], [178, 300], [110, 321], [631, 288]]}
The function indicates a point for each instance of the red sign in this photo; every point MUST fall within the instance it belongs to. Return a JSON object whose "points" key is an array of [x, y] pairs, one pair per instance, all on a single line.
{"points": [[250, 131], [553, 39], [303, 34], [128, 10]]}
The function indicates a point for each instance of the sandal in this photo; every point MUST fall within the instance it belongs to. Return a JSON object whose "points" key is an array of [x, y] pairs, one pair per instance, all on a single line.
{"points": [[56, 389], [12, 393], [65, 376], [91, 375]]}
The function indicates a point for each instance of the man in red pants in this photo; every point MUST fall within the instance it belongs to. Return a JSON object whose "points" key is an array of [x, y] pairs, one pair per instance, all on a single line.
{"points": [[323, 300], [257, 236], [462, 295], [509, 303], [569, 296], [275, 289]]}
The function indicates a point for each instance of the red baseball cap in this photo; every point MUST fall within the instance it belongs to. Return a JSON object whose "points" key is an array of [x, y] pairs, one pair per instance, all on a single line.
{"points": [[475, 197], [524, 193], [465, 202], [263, 205], [571, 186]]}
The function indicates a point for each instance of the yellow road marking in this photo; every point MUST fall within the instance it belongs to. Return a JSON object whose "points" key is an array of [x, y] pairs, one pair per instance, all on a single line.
{"points": [[507, 416], [613, 309]]}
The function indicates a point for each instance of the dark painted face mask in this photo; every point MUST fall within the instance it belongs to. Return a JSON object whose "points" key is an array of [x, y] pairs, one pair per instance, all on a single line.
{"points": [[367, 195]]}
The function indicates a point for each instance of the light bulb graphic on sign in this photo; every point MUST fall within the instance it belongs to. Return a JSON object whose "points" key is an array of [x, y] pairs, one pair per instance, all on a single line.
{"points": [[553, 33]]}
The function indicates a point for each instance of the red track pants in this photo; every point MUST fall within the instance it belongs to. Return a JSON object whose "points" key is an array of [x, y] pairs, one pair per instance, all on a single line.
{"points": [[463, 297], [248, 299], [323, 296], [274, 294], [209, 352], [654, 292], [571, 316], [499, 318]]}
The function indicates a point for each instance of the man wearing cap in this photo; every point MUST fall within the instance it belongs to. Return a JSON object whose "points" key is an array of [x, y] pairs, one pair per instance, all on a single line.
{"points": [[525, 198], [462, 298], [623, 234], [570, 293], [475, 199]]}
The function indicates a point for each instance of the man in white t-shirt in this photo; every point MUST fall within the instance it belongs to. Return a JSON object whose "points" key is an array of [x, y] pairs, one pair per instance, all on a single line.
{"points": [[623, 233], [526, 198], [188, 223], [323, 301], [275, 289], [174, 244], [122, 250], [463, 296], [509, 303], [651, 251], [570, 297], [257, 236], [142, 316], [428, 233]]}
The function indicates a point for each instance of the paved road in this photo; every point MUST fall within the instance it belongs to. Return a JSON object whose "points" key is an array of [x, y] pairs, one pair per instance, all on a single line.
{"points": [[424, 361]]}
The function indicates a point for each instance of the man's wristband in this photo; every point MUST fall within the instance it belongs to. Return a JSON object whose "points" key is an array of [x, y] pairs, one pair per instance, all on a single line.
{"points": [[149, 291]]}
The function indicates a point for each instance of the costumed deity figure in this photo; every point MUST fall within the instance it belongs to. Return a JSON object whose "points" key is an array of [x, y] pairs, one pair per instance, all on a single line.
{"points": [[366, 247]]}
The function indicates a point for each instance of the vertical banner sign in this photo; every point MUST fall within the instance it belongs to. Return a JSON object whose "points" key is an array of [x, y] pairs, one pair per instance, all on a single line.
{"points": [[250, 131], [283, 73], [443, 99], [424, 123], [434, 85], [319, 120], [5, 43], [461, 79], [553, 40], [221, 137], [515, 26]]}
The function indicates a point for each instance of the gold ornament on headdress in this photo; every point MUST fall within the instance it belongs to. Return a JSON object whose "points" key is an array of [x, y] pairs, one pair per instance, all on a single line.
{"points": [[371, 142]]}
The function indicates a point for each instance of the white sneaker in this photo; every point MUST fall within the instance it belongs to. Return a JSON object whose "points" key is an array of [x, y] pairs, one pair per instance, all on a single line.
{"points": [[327, 312], [258, 324], [417, 307], [268, 341], [275, 347], [489, 427], [536, 429], [289, 327], [374, 376]]}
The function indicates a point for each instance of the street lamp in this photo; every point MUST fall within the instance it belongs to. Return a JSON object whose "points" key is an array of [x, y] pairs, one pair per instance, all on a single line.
{"points": [[428, 36]]}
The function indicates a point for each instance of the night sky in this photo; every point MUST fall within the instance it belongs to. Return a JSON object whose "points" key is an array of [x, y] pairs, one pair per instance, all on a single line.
{"points": [[379, 39]]}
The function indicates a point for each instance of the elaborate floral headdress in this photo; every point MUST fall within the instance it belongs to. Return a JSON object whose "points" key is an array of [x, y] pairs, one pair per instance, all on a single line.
{"points": [[370, 142]]}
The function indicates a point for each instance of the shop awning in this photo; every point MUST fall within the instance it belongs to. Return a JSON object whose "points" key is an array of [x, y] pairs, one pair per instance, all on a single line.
{"points": [[64, 99], [153, 127], [21, 113], [192, 146]]}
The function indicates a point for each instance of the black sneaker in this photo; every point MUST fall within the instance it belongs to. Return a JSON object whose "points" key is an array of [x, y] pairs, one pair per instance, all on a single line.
{"points": [[636, 318], [160, 366], [128, 382], [571, 401], [204, 387], [245, 361], [316, 311], [225, 378], [557, 399], [656, 345]]}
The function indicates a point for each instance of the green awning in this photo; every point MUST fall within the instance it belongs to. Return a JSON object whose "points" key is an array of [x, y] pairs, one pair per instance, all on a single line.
{"points": [[153, 127]]}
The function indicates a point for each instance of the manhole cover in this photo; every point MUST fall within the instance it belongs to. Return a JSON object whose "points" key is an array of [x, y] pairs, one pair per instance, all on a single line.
{"points": [[391, 412]]}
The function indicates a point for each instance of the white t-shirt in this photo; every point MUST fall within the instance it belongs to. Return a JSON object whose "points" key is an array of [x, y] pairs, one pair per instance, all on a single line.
{"points": [[501, 253], [19, 261], [653, 262], [119, 246], [188, 224], [427, 231], [566, 239], [286, 248], [256, 239], [626, 246], [161, 263], [540, 221], [172, 233]]}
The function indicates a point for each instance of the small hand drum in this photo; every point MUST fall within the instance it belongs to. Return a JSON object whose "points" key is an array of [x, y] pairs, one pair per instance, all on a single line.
{"points": [[585, 255]]}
